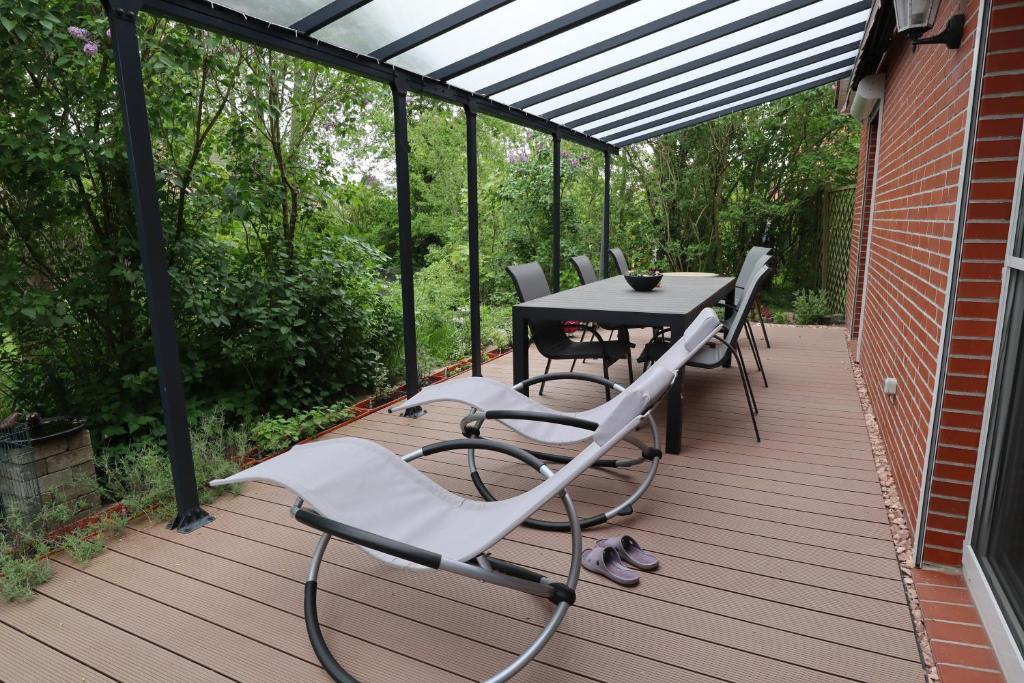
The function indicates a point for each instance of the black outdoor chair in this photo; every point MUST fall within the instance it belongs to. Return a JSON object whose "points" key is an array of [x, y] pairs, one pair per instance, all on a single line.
{"points": [[620, 260], [718, 354], [756, 258], [550, 336], [749, 267], [585, 269]]}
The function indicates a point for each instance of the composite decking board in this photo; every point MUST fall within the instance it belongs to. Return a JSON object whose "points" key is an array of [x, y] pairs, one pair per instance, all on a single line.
{"points": [[674, 488], [670, 483], [145, 614], [444, 419], [792, 571], [119, 653], [619, 482], [405, 438], [636, 617], [776, 564], [591, 502], [597, 490], [359, 596], [37, 662], [717, 588], [225, 600], [765, 612]]}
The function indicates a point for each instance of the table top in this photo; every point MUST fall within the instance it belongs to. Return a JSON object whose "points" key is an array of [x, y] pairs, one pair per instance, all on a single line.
{"points": [[675, 299]]}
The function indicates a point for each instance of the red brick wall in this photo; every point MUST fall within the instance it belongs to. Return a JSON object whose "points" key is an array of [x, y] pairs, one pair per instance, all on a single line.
{"points": [[993, 174], [920, 153], [862, 212]]}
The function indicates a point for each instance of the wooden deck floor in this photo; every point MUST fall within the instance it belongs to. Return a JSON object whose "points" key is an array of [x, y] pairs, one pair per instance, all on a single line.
{"points": [[777, 566]]}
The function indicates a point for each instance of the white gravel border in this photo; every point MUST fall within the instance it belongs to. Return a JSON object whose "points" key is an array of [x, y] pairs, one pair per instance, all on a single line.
{"points": [[898, 527]]}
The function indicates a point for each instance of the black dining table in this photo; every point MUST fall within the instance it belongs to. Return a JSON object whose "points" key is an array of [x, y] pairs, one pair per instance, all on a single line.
{"points": [[673, 305]]}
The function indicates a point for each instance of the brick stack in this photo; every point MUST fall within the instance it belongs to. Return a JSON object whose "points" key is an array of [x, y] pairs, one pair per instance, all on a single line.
{"points": [[66, 471]]}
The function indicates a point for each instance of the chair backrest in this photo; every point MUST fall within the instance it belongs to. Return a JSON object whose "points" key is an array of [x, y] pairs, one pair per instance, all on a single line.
{"points": [[751, 263], [620, 260], [734, 323], [585, 269], [531, 283], [700, 331]]}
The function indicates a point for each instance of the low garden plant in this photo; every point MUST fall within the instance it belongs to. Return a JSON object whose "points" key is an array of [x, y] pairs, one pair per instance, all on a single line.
{"points": [[811, 307]]}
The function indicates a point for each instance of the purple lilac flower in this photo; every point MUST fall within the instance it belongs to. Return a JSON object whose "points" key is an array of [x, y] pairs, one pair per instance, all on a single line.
{"points": [[574, 162], [90, 48], [78, 32], [565, 155]]}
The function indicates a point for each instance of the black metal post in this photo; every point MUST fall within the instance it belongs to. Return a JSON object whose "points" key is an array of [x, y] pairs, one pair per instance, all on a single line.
{"points": [[128, 65], [474, 237], [606, 227], [398, 93], [556, 213]]}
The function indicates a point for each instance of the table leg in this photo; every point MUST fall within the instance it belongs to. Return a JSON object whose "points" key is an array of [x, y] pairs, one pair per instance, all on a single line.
{"points": [[674, 412], [520, 350]]}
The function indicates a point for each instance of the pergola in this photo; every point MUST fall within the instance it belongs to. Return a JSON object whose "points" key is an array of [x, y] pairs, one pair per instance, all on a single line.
{"points": [[600, 73]]}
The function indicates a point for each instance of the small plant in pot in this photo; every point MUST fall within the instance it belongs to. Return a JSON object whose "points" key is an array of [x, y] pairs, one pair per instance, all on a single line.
{"points": [[643, 278]]}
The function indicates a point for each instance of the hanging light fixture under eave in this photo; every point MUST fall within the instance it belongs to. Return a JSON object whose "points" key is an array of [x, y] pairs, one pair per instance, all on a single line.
{"points": [[915, 17]]}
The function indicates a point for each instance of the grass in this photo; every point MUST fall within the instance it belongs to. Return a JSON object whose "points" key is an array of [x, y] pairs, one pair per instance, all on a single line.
{"points": [[139, 476]]}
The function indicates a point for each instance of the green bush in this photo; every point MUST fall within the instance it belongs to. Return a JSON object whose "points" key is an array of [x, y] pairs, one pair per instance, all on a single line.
{"points": [[273, 434], [811, 307]]}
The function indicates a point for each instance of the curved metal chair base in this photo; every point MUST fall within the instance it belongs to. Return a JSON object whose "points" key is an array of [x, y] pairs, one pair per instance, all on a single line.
{"points": [[621, 510], [338, 673]]}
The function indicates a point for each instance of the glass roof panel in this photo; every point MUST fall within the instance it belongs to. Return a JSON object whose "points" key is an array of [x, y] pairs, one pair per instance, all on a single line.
{"points": [[722, 110], [616, 56], [274, 11], [764, 85], [592, 32], [484, 32], [383, 21], [723, 67], [615, 93]]}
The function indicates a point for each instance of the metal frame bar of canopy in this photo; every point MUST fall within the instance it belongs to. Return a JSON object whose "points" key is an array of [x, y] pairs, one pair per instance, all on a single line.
{"points": [[297, 39], [122, 16]]}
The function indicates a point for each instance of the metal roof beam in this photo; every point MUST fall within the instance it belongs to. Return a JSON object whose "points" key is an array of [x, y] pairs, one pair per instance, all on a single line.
{"points": [[735, 97], [234, 24], [730, 110], [440, 27], [795, 29], [605, 45], [327, 14], [531, 37], [711, 78]]}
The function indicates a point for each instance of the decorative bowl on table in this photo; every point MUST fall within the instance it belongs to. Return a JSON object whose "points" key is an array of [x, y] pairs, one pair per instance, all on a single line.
{"points": [[643, 280]]}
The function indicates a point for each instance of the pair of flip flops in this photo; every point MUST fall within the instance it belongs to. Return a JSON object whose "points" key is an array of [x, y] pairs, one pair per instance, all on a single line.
{"points": [[610, 558]]}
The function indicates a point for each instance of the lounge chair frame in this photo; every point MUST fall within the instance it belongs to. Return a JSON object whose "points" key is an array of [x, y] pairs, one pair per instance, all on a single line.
{"points": [[483, 567], [472, 424]]}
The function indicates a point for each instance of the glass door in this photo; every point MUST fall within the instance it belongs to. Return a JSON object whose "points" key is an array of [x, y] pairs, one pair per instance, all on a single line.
{"points": [[998, 531]]}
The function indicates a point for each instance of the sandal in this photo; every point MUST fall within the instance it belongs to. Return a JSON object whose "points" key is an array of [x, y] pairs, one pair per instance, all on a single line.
{"points": [[605, 561], [629, 551]]}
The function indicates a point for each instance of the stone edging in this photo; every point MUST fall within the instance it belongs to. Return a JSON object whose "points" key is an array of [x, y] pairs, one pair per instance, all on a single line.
{"points": [[898, 526]]}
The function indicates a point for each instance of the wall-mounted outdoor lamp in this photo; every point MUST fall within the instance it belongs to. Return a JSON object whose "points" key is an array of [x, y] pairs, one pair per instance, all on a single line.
{"points": [[914, 17]]}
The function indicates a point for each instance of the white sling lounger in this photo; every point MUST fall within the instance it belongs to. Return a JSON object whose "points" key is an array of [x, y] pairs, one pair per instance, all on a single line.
{"points": [[361, 492], [490, 399]]}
